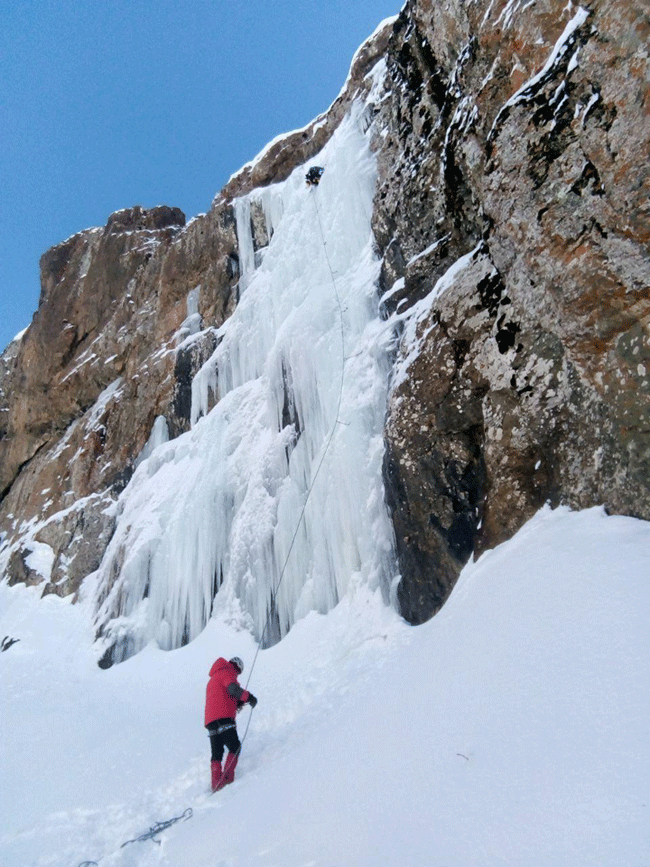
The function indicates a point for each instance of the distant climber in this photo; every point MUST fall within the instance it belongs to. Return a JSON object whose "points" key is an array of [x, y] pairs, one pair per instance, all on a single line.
{"points": [[223, 698], [314, 175]]}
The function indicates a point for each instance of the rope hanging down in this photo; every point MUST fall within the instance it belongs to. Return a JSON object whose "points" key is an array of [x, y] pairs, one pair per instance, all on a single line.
{"points": [[318, 468], [322, 458], [187, 814]]}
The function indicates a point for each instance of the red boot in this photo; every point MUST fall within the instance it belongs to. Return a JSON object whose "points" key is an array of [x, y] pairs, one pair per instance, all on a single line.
{"points": [[218, 778], [229, 769]]}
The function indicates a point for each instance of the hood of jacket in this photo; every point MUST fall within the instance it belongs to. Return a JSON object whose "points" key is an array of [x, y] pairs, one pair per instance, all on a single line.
{"points": [[222, 664]]}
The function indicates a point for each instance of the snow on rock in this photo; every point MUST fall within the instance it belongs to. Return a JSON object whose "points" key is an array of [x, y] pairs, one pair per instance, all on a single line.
{"points": [[560, 50], [110, 393], [414, 320], [40, 559], [510, 729]]}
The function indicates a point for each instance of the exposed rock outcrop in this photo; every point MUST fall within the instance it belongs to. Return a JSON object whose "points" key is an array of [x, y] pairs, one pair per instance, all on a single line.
{"points": [[519, 132], [106, 354]]}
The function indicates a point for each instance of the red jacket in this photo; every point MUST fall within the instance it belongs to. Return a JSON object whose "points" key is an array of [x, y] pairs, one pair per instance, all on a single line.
{"points": [[220, 703]]}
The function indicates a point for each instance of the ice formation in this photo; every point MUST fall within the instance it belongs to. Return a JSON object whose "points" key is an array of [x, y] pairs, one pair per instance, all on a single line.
{"points": [[272, 505]]}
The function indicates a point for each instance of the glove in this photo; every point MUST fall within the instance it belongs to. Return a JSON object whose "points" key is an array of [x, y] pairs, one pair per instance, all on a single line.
{"points": [[252, 700]]}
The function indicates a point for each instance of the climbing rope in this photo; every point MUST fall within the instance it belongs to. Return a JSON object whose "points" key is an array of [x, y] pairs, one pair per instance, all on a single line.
{"points": [[159, 827], [322, 458], [151, 834], [156, 829], [314, 477]]}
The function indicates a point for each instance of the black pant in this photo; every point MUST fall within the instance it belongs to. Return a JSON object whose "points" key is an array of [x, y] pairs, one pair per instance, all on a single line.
{"points": [[223, 733]]}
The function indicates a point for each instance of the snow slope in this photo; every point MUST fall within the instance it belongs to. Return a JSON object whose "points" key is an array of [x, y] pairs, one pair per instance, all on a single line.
{"points": [[512, 729]]}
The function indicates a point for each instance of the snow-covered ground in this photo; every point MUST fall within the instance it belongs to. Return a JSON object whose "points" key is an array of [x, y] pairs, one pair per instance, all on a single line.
{"points": [[512, 729]]}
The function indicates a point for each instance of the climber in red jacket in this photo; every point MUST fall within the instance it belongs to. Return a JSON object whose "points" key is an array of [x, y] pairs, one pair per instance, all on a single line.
{"points": [[223, 698]]}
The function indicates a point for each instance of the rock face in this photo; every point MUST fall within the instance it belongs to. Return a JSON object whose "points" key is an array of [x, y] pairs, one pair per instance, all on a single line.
{"points": [[511, 214], [519, 132], [99, 363]]}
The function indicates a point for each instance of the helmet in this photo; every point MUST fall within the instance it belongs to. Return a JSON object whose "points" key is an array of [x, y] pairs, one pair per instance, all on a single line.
{"points": [[236, 661]]}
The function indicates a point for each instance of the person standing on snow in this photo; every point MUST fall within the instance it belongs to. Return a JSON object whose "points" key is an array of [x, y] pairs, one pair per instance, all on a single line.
{"points": [[223, 698]]}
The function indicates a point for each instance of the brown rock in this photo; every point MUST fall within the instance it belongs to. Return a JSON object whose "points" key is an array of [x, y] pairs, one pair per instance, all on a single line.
{"points": [[532, 383]]}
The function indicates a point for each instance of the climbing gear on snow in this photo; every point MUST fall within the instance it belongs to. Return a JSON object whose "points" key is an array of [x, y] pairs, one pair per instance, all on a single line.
{"points": [[159, 827]]}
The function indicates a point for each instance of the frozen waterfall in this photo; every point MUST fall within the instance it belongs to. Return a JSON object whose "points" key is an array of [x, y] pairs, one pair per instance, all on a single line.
{"points": [[285, 471]]}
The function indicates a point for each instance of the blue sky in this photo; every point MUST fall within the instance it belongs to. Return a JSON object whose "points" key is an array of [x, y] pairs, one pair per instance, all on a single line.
{"points": [[110, 103]]}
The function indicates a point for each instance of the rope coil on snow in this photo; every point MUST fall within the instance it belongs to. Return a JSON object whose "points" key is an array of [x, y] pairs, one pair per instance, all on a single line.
{"points": [[159, 827]]}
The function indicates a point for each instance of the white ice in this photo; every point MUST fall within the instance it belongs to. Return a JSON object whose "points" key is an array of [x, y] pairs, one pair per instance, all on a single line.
{"points": [[275, 496]]}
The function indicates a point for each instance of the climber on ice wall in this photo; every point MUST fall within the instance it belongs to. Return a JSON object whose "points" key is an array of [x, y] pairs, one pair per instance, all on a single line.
{"points": [[223, 698], [313, 176]]}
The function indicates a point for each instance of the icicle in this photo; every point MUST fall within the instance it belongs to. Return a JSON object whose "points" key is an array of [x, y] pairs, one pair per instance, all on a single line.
{"points": [[245, 239], [159, 435]]}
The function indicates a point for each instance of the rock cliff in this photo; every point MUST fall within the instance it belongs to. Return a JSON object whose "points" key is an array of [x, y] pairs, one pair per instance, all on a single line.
{"points": [[518, 133], [512, 220]]}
